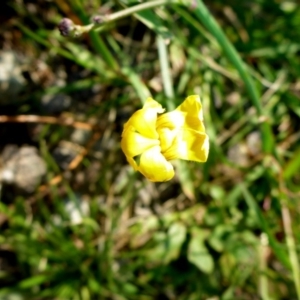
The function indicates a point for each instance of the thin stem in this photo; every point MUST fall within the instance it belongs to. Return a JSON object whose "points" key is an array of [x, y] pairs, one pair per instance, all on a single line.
{"points": [[165, 69], [104, 51], [263, 279], [139, 86], [290, 241], [45, 119], [43, 42], [129, 11], [100, 21], [96, 39]]}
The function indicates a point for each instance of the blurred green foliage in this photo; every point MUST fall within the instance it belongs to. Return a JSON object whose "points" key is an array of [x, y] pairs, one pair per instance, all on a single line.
{"points": [[227, 229]]}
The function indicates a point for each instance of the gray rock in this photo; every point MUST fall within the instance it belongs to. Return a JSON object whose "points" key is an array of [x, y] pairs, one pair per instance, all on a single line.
{"points": [[238, 154], [80, 136], [11, 79], [254, 142], [22, 167], [56, 103], [64, 153]]}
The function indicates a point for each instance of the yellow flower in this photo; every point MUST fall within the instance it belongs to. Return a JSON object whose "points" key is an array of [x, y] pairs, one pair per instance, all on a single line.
{"points": [[151, 139]]}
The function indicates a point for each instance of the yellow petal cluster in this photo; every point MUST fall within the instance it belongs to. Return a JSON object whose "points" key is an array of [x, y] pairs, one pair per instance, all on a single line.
{"points": [[151, 138]]}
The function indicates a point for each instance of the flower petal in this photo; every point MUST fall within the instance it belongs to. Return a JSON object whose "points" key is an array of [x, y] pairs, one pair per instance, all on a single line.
{"points": [[171, 120], [154, 166], [151, 103], [134, 144], [192, 105], [187, 115], [166, 137], [132, 162], [144, 120], [189, 145]]}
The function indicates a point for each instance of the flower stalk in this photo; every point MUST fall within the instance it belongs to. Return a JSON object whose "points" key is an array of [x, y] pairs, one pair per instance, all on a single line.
{"points": [[68, 28]]}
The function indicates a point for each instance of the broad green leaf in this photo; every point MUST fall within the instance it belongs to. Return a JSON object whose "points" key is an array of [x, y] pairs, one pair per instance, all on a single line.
{"points": [[198, 253], [217, 238], [167, 246], [175, 238]]}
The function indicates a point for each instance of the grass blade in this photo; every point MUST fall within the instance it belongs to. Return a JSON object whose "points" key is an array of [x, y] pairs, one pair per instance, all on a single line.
{"points": [[264, 226], [208, 20]]}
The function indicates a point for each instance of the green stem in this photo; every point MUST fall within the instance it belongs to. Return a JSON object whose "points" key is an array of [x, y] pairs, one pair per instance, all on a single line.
{"points": [[208, 20], [103, 20], [263, 279], [97, 41], [165, 70], [129, 11], [44, 42], [290, 241], [104, 51]]}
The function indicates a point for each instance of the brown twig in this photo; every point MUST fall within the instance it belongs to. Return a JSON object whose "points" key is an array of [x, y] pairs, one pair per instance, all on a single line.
{"points": [[65, 121], [44, 189], [80, 156]]}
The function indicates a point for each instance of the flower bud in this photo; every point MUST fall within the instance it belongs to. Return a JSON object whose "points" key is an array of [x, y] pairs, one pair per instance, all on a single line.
{"points": [[66, 26]]}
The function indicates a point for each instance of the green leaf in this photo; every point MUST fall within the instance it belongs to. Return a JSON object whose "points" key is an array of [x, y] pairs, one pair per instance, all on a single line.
{"points": [[198, 253], [167, 246], [217, 238], [277, 248], [33, 281], [293, 165], [175, 238]]}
